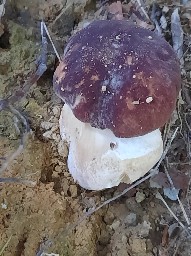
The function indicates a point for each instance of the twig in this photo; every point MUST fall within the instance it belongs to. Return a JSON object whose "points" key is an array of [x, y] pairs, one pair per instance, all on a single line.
{"points": [[189, 155], [140, 5], [5, 245], [166, 132], [177, 247], [22, 139], [154, 20], [48, 34], [179, 116], [158, 195], [180, 203], [19, 181]]}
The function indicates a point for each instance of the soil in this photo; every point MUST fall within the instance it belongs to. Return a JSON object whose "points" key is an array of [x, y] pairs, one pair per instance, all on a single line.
{"points": [[44, 217]]}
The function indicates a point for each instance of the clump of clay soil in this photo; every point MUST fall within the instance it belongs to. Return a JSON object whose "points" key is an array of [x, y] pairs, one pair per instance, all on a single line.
{"points": [[46, 215]]}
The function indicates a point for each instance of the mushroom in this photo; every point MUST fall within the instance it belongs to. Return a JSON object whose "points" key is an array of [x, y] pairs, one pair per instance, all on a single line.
{"points": [[119, 83]]}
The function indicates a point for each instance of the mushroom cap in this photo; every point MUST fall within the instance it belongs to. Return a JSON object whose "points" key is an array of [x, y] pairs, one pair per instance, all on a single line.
{"points": [[119, 76]]}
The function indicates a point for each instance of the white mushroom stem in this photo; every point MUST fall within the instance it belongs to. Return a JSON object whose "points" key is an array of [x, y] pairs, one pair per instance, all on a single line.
{"points": [[98, 159]]}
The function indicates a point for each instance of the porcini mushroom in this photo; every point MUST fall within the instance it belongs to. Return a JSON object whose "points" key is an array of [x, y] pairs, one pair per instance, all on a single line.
{"points": [[119, 83]]}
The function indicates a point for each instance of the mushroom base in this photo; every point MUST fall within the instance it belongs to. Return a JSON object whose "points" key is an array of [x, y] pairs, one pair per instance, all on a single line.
{"points": [[98, 159]]}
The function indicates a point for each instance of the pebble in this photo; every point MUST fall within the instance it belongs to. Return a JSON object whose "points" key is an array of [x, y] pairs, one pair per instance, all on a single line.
{"points": [[138, 245], [131, 219], [56, 137], [4, 206], [109, 218], [73, 190], [47, 134], [47, 125], [115, 224], [62, 149], [55, 128], [140, 196], [144, 229], [58, 169], [56, 111], [65, 186], [124, 239]]}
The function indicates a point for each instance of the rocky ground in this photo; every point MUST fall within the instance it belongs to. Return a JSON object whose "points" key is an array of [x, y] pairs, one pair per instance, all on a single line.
{"points": [[44, 216]]}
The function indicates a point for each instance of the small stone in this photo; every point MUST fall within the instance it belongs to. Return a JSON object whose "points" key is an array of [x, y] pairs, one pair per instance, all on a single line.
{"points": [[115, 224], [67, 174], [73, 190], [55, 174], [56, 111], [48, 134], [47, 125], [4, 206], [144, 229], [62, 149], [149, 245], [131, 204], [155, 251], [165, 9], [104, 238], [56, 137], [138, 245], [109, 218], [53, 119], [58, 169], [140, 196], [65, 186], [124, 239], [55, 128], [131, 219]]}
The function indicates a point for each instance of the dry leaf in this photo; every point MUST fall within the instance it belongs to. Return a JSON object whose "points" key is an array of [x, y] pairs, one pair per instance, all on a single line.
{"points": [[180, 179], [177, 35]]}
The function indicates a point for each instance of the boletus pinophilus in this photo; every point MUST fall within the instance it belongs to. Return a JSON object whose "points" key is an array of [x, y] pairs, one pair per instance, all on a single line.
{"points": [[120, 84]]}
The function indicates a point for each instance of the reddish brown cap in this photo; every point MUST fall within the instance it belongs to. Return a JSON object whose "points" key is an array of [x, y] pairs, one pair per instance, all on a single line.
{"points": [[117, 75]]}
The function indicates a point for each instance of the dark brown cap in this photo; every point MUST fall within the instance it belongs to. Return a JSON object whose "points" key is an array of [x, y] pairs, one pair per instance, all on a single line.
{"points": [[119, 76]]}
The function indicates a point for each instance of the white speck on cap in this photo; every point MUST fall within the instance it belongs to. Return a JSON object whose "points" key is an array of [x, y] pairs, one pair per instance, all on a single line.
{"points": [[136, 102], [149, 99], [103, 88]]}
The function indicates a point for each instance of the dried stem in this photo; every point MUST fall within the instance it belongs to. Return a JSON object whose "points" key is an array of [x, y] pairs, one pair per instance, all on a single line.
{"points": [[158, 195], [48, 34], [22, 139], [5, 245], [18, 181], [180, 203]]}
